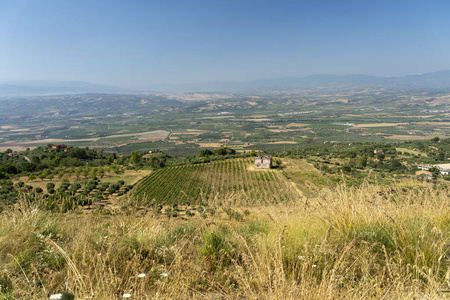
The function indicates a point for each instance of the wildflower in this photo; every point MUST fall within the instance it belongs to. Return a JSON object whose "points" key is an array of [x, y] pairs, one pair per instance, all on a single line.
{"points": [[164, 275], [142, 275], [126, 296], [67, 296], [314, 266]]}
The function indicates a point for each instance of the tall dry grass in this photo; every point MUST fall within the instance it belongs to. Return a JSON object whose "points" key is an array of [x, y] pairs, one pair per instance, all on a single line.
{"points": [[371, 242]]}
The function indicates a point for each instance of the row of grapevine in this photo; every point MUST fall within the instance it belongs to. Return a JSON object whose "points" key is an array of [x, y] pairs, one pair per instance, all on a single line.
{"points": [[224, 181]]}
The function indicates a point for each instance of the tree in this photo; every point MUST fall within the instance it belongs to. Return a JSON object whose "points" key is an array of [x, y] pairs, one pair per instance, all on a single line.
{"points": [[363, 161], [86, 172], [113, 188], [435, 139], [78, 153], [110, 159], [434, 170], [346, 168], [135, 157], [205, 152], [395, 164], [43, 175], [224, 151], [94, 172], [158, 160], [50, 187]]}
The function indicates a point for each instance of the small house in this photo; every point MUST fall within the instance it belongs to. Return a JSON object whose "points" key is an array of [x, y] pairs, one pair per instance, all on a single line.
{"points": [[263, 162], [444, 171], [378, 151], [424, 167]]}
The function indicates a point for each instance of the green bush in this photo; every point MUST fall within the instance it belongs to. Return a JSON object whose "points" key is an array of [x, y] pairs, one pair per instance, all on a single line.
{"points": [[215, 249]]}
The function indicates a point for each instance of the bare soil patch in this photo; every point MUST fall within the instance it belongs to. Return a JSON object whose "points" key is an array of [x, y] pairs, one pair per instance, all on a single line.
{"points": [[378, 125]]}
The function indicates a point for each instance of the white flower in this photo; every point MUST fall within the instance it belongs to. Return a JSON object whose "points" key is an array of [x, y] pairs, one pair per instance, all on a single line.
{"points": [[126, 296], [164, 275], [314, 266], [142, 275], [56, 297]]}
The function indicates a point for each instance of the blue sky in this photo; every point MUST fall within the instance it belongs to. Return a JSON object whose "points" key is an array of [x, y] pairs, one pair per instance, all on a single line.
{"points": [[140, 44]]}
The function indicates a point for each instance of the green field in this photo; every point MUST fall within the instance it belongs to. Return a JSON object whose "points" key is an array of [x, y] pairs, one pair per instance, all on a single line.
{"points": [[218, 182]]}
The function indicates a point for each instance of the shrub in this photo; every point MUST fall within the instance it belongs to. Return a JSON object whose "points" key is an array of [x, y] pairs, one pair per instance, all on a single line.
{"points": [[215, 249], [232, 214]]}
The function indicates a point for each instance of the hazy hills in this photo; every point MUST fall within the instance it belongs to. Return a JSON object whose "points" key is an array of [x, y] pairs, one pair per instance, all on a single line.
{"points": [[47, 88], [436, 80]]}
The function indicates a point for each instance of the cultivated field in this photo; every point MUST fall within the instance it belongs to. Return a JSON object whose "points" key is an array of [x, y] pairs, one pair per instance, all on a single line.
{"points": [[222, 181], [267, 123]]}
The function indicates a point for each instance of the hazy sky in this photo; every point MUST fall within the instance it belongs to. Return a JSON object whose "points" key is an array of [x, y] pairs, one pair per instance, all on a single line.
{"points": [[142, 43]]}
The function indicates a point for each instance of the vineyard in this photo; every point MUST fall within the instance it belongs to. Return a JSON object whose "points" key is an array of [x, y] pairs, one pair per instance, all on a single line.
{"points": [[228, 181]]}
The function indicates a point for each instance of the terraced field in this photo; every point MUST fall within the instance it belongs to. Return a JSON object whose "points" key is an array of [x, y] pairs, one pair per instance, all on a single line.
{"points": [[228, 181]]}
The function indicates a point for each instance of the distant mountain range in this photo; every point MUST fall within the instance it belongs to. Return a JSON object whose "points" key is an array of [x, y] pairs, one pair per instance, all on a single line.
{"points": [[48, 88], [436, 80]]}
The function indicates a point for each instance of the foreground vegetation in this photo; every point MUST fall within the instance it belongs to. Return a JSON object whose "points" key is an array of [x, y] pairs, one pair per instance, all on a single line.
{"points": [[384, 241]]}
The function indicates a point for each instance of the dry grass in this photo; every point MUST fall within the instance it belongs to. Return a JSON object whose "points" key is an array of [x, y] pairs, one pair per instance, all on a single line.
{"points": [[306, 177], [411, 151], [378, 125], [415, 137], [372, 242]]}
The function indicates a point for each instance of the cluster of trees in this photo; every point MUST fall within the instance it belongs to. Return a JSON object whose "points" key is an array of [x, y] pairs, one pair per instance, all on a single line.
{"points": [[40, 159], [47, 162], [336, 157], [221, 151], [66, 196], [427, 151]]}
